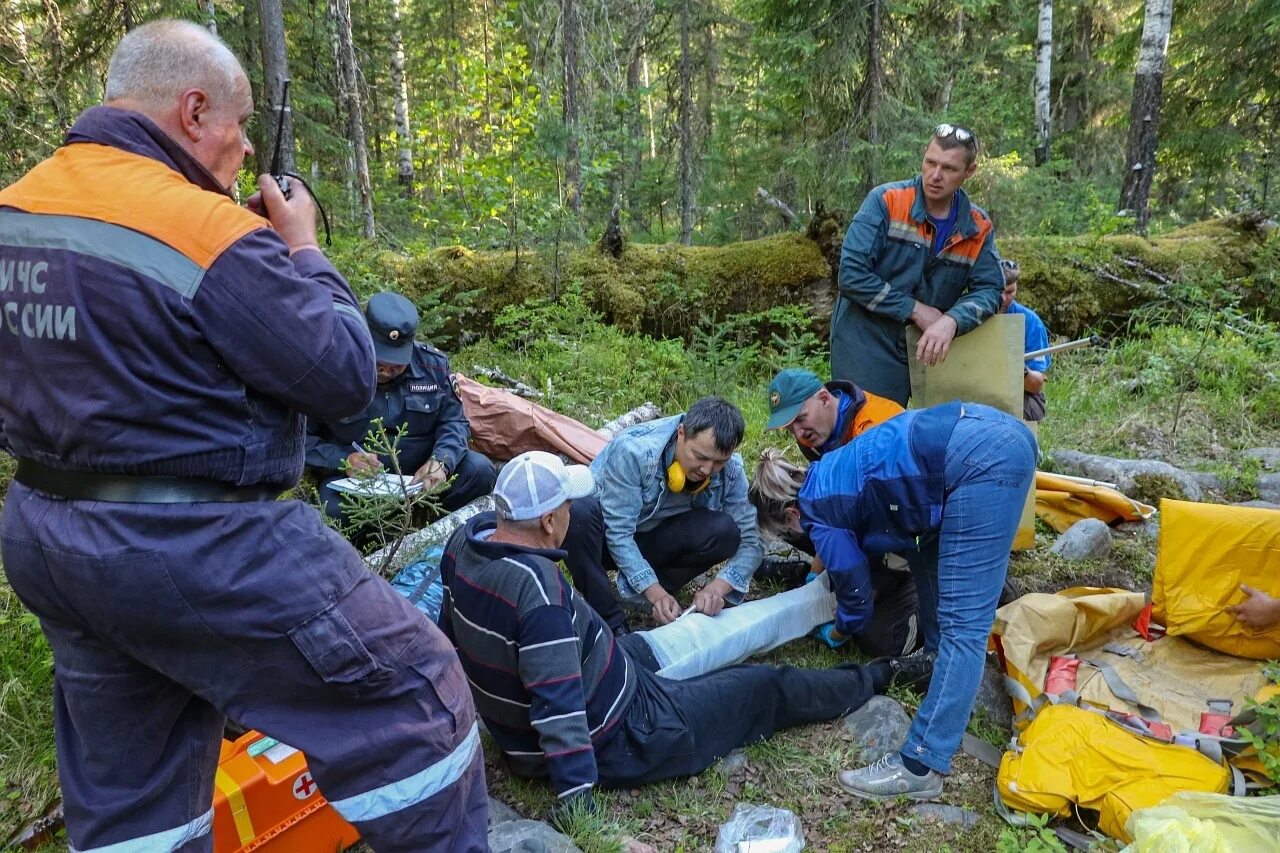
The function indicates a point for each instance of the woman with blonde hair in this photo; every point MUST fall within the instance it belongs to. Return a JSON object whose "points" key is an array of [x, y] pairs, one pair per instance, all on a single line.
{"points": [[945, 485]]}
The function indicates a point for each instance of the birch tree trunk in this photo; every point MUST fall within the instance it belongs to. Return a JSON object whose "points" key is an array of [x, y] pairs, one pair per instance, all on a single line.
{"points": [[210, 16], [400, 92], [1044, 65], [349, 96], [277, 125], [956, 57], [1144, 114], [685, 173], [875, 76], [570, 30]]}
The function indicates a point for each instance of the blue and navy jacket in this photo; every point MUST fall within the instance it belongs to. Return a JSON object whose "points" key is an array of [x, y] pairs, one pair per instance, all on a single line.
{"points": [[876, 495], [150, 325], [887, 265], [421, 399], [546, 674]]}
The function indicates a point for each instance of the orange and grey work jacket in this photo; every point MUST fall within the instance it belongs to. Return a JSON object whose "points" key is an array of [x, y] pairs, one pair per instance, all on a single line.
{"points": [[887, 264]]}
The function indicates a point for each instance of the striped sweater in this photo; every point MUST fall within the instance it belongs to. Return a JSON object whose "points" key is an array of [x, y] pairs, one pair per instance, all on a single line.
{"points": [[544, 670]]}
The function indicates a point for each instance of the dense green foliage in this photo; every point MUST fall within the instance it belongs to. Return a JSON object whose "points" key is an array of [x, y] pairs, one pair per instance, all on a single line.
{"points": [[781, 99]]}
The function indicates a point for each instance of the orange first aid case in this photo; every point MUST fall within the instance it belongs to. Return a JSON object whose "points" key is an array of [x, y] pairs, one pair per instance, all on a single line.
{"points": [[265, 800]]}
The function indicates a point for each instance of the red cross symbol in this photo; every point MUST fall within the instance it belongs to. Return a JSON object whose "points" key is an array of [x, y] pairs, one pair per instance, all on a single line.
{"points": [[304, 786]]}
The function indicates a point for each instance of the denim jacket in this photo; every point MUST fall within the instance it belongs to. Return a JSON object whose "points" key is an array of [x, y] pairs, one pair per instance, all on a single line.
{"points": [[631, 483]]}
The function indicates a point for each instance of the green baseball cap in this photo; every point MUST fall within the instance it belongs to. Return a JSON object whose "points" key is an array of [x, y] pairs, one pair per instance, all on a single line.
{"points": [[787, 393]]}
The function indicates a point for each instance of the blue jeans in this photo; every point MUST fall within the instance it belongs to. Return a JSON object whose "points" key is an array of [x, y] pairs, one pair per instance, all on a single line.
{"points": [[990, 464]]}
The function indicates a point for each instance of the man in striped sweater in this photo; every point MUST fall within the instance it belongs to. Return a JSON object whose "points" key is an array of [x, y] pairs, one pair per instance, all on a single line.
{"points": [[562, 697]]}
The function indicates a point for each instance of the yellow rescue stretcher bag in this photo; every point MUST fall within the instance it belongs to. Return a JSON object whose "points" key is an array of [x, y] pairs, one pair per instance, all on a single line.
{"points": [[1206, 552], [1072, 757]]}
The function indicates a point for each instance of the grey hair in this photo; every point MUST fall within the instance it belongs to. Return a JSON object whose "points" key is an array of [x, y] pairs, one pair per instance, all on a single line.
{"points": [[774, 489], [156, 62]]}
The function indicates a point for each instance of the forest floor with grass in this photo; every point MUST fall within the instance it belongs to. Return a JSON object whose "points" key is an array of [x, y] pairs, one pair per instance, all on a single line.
{"points": [[1193, 393]]}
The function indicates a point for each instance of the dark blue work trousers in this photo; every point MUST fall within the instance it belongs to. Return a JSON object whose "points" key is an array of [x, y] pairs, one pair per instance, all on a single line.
{"points": [[680, 728], [165, 618], [679, 549]]}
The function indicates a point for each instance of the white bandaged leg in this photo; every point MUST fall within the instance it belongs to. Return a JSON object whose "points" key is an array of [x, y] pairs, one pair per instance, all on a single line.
{"points": [[696, 644]]}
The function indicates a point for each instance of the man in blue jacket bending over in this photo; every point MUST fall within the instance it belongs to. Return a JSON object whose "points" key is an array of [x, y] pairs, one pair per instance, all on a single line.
{"points": [[949, 481], [671, 503]]}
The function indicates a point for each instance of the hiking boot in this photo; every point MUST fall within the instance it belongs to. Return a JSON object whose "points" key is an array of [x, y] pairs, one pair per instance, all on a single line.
{"points": [[911, 670], [887, 779]]}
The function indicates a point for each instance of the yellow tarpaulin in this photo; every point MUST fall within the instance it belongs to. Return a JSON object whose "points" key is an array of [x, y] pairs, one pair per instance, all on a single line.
{"points": [[1062, 501], [1071, 757], [1206, 552]]}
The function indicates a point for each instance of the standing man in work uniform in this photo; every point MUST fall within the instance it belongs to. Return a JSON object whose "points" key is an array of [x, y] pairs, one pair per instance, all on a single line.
{"points": [[916, 252], [414, 391], [161, 346]]}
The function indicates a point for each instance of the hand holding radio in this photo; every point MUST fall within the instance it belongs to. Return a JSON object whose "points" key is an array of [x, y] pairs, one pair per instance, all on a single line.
{"points": [[292, 216]]}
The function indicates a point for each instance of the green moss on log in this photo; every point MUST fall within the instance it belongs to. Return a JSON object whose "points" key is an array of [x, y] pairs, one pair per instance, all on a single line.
{"points": [[658, 288], [1078, 284]]}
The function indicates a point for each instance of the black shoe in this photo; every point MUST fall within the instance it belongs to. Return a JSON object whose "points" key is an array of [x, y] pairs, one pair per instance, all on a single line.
{"points": [[787, 573], [913, 670]]}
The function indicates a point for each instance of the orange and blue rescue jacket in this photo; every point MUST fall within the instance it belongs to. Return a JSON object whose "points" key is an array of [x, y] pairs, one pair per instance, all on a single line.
{"points": [[887, 264], [150, 325]]}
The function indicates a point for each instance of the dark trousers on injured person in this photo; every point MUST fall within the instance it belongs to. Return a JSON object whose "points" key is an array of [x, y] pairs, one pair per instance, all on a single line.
{"points": [[679, 549], [680, 728]]}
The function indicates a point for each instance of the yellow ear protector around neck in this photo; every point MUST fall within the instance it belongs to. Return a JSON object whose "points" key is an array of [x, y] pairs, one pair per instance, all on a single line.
{"points": [[676, 479]]}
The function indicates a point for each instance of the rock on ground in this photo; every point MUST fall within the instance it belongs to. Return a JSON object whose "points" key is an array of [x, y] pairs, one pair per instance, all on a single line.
{"points": [[951, 815], [500, 812], [1259, 504], [731, 763], [1087, 538], [1144, 479], [878, 727], [1269, 488], [993, 700], [1268, 456]]}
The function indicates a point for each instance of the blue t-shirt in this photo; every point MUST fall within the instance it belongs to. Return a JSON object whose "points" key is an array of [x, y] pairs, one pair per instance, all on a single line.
{"points": [[942, 228], [1037, 336]]}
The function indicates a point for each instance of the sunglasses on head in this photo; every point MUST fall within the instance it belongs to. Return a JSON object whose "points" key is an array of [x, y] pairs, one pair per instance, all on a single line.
{"points": [[962, 134], [1009, 264]]}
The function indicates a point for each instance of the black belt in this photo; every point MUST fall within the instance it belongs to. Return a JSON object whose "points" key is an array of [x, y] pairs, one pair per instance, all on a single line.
{"points": [[128, 488]]}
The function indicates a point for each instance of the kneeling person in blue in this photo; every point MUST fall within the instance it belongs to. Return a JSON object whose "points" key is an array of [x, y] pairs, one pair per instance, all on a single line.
{"points": [[414, 390], [948, 483], [563, 697]]}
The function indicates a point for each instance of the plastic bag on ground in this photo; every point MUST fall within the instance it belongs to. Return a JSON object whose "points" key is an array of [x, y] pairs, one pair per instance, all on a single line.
{"points": [[1190, 822], [760, 829]]}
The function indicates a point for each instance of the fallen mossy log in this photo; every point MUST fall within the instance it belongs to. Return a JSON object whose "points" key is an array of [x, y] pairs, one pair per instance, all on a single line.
{"points": [[1078, 284]]}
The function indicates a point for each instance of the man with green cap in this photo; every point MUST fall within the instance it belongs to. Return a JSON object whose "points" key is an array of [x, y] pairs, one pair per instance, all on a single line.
{"points": [[821, 418]]}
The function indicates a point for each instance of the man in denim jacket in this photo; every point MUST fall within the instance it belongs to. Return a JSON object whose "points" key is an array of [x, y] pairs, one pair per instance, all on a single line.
{"points": [[671, 503]]}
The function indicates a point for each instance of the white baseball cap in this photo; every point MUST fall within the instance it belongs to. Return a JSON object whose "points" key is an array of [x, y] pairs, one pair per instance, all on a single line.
{"points": [[535, 483]]}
